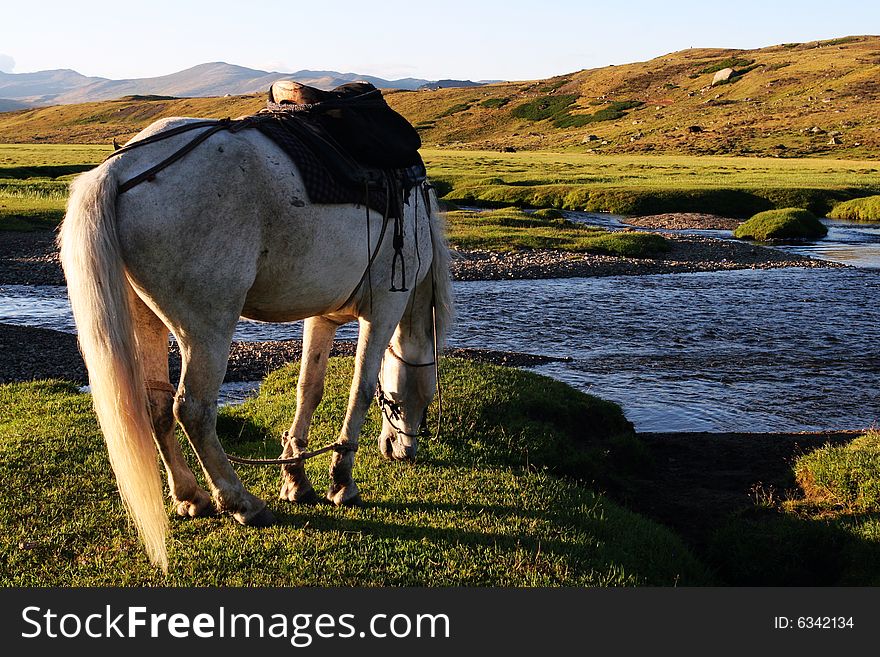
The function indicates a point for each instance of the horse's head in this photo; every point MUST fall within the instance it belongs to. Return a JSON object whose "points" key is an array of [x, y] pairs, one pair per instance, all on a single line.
{"points": [[407, 382]]}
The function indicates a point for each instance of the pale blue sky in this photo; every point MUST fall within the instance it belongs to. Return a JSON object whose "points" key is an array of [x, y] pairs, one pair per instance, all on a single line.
{"points": [[490, 39]]}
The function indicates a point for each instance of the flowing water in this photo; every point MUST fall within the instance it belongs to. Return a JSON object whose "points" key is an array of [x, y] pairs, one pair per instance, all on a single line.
{"points": [[745, 350]]}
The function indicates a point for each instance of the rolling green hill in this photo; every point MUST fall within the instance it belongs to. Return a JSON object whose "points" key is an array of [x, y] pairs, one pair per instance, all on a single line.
{"points": [[806, 99]]}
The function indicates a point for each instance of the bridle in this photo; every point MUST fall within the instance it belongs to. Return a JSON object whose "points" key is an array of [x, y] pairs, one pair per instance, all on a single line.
{"points": [[391, 409]]}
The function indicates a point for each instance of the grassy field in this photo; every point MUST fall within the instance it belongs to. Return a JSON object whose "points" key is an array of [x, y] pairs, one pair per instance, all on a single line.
{"points": [[34, 180], [623, 184], [512, 229], [648, 184], [501, 499]]}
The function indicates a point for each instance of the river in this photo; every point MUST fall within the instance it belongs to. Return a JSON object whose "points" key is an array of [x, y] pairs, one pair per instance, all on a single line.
{"points": [[745, 350]]}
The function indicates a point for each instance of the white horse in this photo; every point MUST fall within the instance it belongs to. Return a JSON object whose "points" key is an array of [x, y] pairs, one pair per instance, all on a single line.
{"points": [[229, 231]]}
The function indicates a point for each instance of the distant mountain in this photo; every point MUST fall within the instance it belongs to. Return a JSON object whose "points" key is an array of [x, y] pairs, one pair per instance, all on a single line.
{"points": [[63, 87], [42, 87], [7, 105]]}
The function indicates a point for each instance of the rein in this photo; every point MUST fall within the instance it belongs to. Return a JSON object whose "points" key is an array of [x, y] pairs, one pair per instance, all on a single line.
{"points": [[339, 448]]}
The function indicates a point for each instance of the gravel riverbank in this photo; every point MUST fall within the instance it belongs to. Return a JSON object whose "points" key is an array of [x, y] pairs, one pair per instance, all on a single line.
{"points": [[684, 221], [32, 259], [34, 353], [688, 254]]}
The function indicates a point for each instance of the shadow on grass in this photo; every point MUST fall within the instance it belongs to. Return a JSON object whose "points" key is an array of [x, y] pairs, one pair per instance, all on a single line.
{"points": [[44, 171]]}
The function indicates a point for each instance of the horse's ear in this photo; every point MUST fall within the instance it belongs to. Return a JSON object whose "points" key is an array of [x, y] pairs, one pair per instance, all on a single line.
{"points": [[116, 145], [271, 95]]}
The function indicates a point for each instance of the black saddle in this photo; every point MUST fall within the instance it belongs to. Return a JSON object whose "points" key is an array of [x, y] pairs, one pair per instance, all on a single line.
{"points": [[355, 119]]}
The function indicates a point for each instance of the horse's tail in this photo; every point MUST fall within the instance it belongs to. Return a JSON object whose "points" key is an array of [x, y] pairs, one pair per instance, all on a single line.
{"points": [[444, 306], [99, 295]]}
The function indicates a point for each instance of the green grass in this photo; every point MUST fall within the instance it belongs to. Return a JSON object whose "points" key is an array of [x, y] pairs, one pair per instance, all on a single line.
{"points": [[20, 211], [485, 505], [827, 534], [846, 477], [858, 209], [511, 229], [623, 184], [647, 184], [782, 224], [34, 179], [57, 156]]}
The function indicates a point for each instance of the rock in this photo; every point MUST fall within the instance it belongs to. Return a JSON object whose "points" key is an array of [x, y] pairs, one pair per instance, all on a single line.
{"points": [[722, 76], [694, 128], [591, 138], [507, 149], [834, 141], [835, 133], [816, 130]]}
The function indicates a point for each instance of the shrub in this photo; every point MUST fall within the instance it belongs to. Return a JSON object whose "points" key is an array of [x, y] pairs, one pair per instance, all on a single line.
{"points": [[858, 209], [543, 108], [613, 111], [787, 223], [730, 62], [495, 103], [455, 109], [558, 108]]}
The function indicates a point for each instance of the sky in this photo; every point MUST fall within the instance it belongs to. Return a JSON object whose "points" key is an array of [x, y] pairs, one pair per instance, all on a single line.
{"points": [[477, 40]]}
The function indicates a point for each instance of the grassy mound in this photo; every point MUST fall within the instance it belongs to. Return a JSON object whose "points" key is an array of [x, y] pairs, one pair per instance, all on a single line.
{"points": [[784, 224], [484, 505], [510, 229], [828, 536], [847, 477], [858, 209]]}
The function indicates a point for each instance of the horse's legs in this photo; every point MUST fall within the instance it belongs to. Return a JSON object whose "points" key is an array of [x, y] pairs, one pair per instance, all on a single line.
{"points": [[152, 340], [318, 334], [372, 342], [204, 364]]}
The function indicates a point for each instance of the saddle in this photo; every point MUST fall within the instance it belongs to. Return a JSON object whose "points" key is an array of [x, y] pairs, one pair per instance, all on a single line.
{"points": [[355, 119]]}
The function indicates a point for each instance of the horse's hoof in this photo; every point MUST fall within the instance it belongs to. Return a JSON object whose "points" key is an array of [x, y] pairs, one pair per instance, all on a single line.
{"points": [[355, 501], [200, 507], [262, 518], [386, 449], [337, 495], [308, 496]]}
